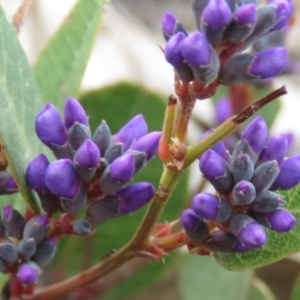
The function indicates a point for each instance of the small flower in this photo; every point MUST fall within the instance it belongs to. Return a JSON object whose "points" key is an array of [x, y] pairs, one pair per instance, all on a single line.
{"points": [[61, 179], [49, 126], [74, 112], [28, 273]]}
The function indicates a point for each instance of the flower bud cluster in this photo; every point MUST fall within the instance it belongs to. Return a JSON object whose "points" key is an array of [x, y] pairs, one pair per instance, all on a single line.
{"points": [[24, 247], [226, 28], [245, 201], [90, 170]]}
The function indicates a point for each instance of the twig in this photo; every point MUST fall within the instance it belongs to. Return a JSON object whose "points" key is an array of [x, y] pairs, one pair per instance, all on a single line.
{"points": [[21, 14]]}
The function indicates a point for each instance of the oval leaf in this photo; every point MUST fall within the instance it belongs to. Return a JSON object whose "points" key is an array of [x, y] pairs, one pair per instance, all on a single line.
{"points": [[19, 103]]}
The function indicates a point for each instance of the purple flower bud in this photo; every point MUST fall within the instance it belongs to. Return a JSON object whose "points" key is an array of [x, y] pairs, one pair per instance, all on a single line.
{"points": [[26, 248], [212, 165], [250, 233], [275, 149], [243, 193], [256, 133], [135, 196], [264, 175], [217, 172], [148, 144], [241, 166], [13, 222], [45, 252], [284, 11], [282, 220], [208, 206], [122, 168], [240, 247], [8, 184], [49, 202], [289, 175], [140, 159], [246, 14], [74, 112], [88, 155], [196, 50], [133, 130], [103, 210], [49, 126], [82, 227], [279, 220], [36, 228], [196, 229], [266, 201], [168, 24], [173, 50], [102, 137], [223, 110], [217, 14], [240, 152], [270, 62], [117, 173], [61, 179], [28, 273], [8, 252], [35, 173]]}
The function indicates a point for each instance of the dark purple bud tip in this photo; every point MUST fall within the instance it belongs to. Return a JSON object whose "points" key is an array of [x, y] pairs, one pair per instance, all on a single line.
{"points": [[135, 196], [122, 168], [275, 148], [206, 205], [240, 247], [173, 53], [88, 155], [74, 112], [196, 229], [243, 193], [148, 144], [10, 185], [189, 219], [217, 14], [49, 126], [253, 235], [168, 24], [45, 252], [196, 50], [212, 165], [284, 11], [282, 220], [35, 173], [289, 175], [8, 252], [36, 228], [133, 130], [269, 63], [246, 14], [7, 212], [256, 133], [61, 179], [28, 273]]}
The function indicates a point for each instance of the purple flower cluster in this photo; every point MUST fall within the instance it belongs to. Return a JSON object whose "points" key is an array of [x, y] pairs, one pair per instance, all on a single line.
{"points": [[31, 249], [90, 170], [245, 181], [226, 28]]}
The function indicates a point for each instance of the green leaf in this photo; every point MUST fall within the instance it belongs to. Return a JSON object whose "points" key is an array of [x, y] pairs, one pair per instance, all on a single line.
{"points": [[19, 103], [200, 277], [61, 65], [296, 289], [278, 246], [117, 105], [260, 291]]}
